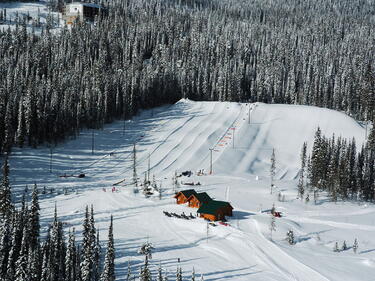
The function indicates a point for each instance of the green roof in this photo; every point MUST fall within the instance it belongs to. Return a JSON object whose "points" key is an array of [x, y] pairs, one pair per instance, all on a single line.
{"points": [[203, 197], [188, 192], [212, 206]]}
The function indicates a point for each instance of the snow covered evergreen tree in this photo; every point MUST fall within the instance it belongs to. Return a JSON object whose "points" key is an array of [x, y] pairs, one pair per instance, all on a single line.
{"points": [[87, 262], [5, 192], [290, 237], [273, 169], [33, 223], [193, 275], [336, 247], [179, 274], [160, 273], [272, 225], [145, 271], [108, 273], [70, 258], [301, 182], [344, 246], [21, 267], [355, 246]]}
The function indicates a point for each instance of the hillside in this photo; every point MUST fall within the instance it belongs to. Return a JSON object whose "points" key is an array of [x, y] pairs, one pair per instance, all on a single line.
{"points": [[178, 138]]}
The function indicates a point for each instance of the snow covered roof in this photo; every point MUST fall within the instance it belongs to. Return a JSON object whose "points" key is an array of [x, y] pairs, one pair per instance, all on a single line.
{"points": [[187, 193], [212, 206], [91, 5], [202, 197]]}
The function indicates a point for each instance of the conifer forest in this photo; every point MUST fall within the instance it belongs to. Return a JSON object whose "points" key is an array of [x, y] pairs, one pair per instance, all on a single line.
{"points": [[338, 167], [58, 80], [144, 53]]}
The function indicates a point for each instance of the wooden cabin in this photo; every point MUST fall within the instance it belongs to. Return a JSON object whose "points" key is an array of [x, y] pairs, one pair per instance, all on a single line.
{"points": [[198, 199], [80, 11], [215, 210], [183, 196]]}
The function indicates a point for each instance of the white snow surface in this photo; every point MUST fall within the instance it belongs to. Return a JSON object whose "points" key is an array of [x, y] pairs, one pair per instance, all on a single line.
{"points": [[178, 138], [20, 10]]}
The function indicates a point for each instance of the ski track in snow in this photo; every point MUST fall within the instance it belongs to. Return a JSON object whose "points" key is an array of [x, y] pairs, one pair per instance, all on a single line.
{"points": [[178, 138]]}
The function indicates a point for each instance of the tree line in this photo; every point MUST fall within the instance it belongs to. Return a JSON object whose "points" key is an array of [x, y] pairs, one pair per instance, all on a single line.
{"points": [[144, 53], [337, 167], [26, 254]]}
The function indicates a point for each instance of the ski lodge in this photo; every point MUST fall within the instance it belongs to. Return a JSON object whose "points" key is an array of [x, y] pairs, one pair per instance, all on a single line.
{"points": [[215, 210], [80, 11], [183, 196], [209, 209], [198, 199]]}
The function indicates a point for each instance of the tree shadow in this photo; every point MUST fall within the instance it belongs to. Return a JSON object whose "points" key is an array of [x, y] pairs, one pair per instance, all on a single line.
{"points": [[241, 215], [237, 272], [367, 251]]}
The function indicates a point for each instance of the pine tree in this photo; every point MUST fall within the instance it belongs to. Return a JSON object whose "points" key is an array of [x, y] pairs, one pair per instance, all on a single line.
{"points": [[160, 273], [290, 237], [145, 271], [70, 258], [307, 199], [135, 177], [97, 254], [166, 276], [193, 275], [146, 249], [355, 246], [15, 245], [371, 137], [301, 189], [316, 195], [57, 250], [129, 273], [21, 128], [45, 264], [34, 263], [5, 192], [336, 247], [273, 168], [5, 245], [315, 164], [344, 247], [273, 209], [87, 248], [108, 273], [272, 225], [179, 274], [33, 223], [21, 266]]}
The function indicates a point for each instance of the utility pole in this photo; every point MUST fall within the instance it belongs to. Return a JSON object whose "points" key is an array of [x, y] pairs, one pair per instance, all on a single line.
{"points": [[249, 113], [148, 168], [211, 149], [234, 130], [92, 142], [50, 159], [135, 179], [123, 129]]}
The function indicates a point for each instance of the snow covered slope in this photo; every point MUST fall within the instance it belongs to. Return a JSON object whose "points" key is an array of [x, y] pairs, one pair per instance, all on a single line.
{"points": [[178, 138], [33, 10]]}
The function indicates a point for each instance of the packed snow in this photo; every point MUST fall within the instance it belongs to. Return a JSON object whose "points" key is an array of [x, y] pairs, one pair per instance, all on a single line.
{"points": [[178, 138], [35, 13]]}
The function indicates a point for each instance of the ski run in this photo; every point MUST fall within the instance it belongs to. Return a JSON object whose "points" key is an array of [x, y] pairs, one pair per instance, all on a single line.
{"points": [[176, 138]]}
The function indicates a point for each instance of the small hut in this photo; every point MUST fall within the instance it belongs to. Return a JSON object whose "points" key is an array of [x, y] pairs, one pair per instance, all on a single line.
{"points": [[215, 210], [80, 11], [198, 199], [183, 196]]}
